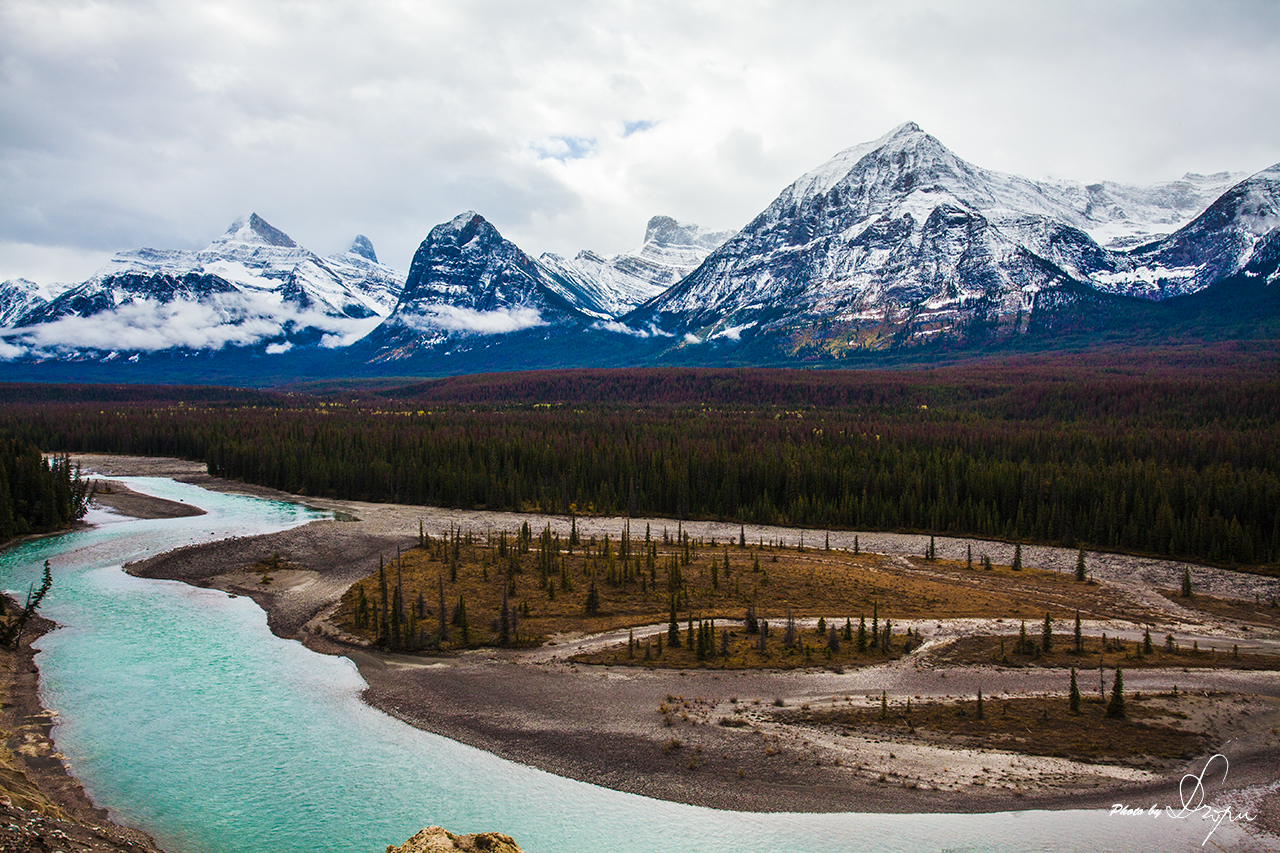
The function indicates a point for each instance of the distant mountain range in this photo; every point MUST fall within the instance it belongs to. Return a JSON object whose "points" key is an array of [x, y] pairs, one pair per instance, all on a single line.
{"points": [[892, 246]]}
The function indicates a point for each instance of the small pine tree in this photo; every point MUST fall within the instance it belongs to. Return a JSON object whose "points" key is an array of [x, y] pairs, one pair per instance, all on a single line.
{"points": [[1186, 582], [1080, 569], [1079, 637], [856, 548], [1073, 697], [1046, 634], [1017, 557], [1147, 647], [977, 715], [1115, 708], [673, 627], [862, 633], [884, 705]]}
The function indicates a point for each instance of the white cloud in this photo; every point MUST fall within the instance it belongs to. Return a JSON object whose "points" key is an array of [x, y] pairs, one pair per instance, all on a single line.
{"points": [[623, 329], [279, 349], [147, 325], [691, 338], [458, 319]]}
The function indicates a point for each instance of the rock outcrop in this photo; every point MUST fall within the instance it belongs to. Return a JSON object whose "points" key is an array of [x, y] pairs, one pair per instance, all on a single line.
{"points": [[435, 839]]}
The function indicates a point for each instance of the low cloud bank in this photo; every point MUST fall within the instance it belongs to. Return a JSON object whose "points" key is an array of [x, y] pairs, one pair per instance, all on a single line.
{"points": [[147, 325], [457, 319]]}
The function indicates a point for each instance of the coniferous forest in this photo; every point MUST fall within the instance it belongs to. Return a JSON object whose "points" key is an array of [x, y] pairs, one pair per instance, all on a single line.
{"points": [[1171, 454], [37, 494]]}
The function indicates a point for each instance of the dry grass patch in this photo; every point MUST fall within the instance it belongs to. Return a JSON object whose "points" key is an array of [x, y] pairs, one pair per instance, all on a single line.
{"points": [[1028, 725], [1264, 612], [1002, 649], [548, 585]]}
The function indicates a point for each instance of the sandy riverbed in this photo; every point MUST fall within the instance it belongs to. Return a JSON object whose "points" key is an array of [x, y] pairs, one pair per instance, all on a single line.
{"points": [[603, 725]]}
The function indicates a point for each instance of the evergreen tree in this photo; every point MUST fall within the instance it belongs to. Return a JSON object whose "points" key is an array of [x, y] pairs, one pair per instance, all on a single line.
{"points": [[673, 627], [593, 599], [978, 715], [1115, 707], [1046, 635], [1147, 647], [1080, 569], [1017, 557], [1079, 637], [1186, 582], [1074, 696]]}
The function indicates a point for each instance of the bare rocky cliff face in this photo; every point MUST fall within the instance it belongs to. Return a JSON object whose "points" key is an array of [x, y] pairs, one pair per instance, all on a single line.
{"points": [[435, 839]]}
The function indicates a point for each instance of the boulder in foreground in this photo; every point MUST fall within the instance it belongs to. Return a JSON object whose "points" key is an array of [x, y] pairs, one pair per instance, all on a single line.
{"points": [[434, 839]]}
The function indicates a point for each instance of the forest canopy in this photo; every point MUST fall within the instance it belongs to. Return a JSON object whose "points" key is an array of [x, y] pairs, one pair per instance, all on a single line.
{"points": [[1167, 454]]}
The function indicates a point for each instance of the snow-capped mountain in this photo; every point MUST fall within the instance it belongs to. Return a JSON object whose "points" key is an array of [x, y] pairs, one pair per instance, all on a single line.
{"points": [[253, 285], [615, 285], [900, 236], [19, 296], [891, 243], [467, 282], [1217, 244]]}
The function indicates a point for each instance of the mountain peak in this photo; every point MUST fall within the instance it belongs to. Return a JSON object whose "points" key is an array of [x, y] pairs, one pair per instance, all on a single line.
{"points": [[362, 247], [254, 229], [668, 232]]}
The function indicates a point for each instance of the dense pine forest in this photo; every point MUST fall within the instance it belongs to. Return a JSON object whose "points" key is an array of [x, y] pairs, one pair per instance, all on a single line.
{"points": [[37, 495], [1170, 453]]}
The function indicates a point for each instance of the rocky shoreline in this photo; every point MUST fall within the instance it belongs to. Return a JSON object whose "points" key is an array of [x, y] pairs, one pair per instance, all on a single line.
{"points": [[42, 805]]}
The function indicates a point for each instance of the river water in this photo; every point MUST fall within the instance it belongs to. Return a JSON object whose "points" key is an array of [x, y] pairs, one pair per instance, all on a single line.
{"points": [[183, 715]]}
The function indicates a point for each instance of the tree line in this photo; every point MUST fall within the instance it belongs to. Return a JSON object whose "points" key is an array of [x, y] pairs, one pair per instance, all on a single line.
{"points": [[38, 494], [1181, 463]]}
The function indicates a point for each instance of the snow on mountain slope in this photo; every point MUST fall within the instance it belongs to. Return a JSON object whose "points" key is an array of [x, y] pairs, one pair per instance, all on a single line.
{"points": [[19, 296], [467, 282], [901, 232], [1217, 244], [252, 285], [612, 286]]}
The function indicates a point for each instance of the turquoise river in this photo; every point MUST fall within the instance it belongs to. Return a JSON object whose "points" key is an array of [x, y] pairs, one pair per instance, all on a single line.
{"points": [[184, 716]]}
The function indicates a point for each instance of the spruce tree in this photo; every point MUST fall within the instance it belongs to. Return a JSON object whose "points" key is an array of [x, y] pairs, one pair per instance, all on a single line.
{"points": [[1017, 557], [1073, 697], [862, 633], [1115, 708], [1079, 637], [1186, 582], [1046, 638], [1080, 571], [673, 627]]}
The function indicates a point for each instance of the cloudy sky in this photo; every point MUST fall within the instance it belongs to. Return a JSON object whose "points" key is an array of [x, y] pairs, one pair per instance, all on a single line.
{"points": [[568, 124]]}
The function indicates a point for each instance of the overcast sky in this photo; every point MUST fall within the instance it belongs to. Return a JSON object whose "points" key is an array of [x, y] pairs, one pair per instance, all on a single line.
{"points": [[569, 124]]}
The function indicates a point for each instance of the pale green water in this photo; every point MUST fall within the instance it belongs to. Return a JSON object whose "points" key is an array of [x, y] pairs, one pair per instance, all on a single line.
{"points": [[182, 714]]}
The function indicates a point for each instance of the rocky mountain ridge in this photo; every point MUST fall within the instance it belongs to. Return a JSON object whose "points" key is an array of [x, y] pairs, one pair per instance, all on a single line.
{"points": [[895, 243]]}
